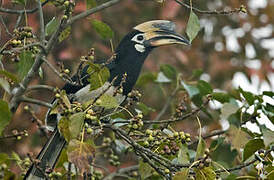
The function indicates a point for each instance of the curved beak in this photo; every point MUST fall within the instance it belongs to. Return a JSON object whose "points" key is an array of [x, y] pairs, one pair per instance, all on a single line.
{"points": [[160, 33]]}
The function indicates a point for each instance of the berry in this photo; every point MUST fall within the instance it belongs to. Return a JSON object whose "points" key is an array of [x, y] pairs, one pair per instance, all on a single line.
{"points": [[167, 171]]}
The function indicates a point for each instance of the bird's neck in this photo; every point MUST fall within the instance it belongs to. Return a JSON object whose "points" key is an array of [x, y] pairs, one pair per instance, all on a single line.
{"points": [[128, 61]]}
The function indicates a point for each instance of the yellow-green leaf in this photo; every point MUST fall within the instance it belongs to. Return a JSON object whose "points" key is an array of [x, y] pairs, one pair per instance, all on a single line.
{"points": [[64, 34], [193, 26], [5, 115], [91, 4], [25, 62], [51, 26], [81, 155], [102, 29], [76, 122], [108, 101]]}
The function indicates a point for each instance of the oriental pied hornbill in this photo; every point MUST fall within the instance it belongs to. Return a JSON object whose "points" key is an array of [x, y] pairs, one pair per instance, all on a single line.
{"points": [[130, 56]]}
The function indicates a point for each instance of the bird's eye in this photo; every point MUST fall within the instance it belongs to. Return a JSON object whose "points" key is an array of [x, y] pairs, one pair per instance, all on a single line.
{"points": [[140, 37]]}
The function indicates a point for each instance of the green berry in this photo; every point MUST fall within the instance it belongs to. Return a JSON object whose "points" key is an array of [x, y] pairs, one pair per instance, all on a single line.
{"points": [[167, 171], [89, 130], [19, 137], [146, 143], [150, 138], [57, 95], [98, 101], [90, 111], [66, 3], [149, 132], [135, 126], [66, 71], [176, 134], [26, 108], [188, 139], [65, 17]]}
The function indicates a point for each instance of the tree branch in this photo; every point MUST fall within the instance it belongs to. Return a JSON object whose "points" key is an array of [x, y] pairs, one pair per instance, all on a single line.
{"points": [[92, 11], [215, 12]]}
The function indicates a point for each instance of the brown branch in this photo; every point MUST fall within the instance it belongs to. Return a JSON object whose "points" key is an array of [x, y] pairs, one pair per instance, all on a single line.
{"points": [[21, 11], [215, 12], [92, 11]]}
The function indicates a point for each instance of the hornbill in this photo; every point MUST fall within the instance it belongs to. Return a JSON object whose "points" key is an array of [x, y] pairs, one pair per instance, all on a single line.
{"points": [[130, 56]]}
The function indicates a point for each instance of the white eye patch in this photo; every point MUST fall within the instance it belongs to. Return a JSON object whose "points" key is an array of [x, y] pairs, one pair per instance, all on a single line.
{"points": [[139, 39]]}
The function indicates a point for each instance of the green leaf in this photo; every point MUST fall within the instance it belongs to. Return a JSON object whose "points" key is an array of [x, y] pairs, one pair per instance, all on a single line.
{"points": [[145, 78], [169, 71], [268, 110], [221, 97], [81, 154], [76, 124], [268, 136], [183, 156], [145, 170], [144, 108], [182, 175], [91, 4], [193, 26], [251, 147], [25, 63], [207, 173], [191, 90], [5, 84], [51, 26], [64, 34], [108, 101], [238, 137], [5, 115], [102, 29], [98, 75], [249, 97], [9, 75], [228, 109], [268, 93], [16, 157], [161, 78], [197, 73], [4, 158], [204, 87], [200, 148], [63, 127]]}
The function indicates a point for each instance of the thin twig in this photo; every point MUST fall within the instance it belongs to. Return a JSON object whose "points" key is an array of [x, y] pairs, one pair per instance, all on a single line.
{"points": [[41, 20], [168, 101], [5, 26], [92, 11], [39, 87], [18, 20], [215, 12], [57, 72], [28, 11], [35, 101]]}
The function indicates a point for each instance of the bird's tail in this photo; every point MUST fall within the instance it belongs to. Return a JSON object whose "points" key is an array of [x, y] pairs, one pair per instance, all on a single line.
{"points": [[47, 157]]}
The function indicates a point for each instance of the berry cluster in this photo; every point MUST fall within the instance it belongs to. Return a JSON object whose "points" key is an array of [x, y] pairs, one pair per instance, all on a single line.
{"points": [[180, 110], [136, 122], [204, 161], [23, 36], [114, 159]]}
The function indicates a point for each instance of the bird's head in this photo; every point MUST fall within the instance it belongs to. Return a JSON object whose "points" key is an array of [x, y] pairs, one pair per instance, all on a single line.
{"points": [[151, 34], [136, 45]]}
